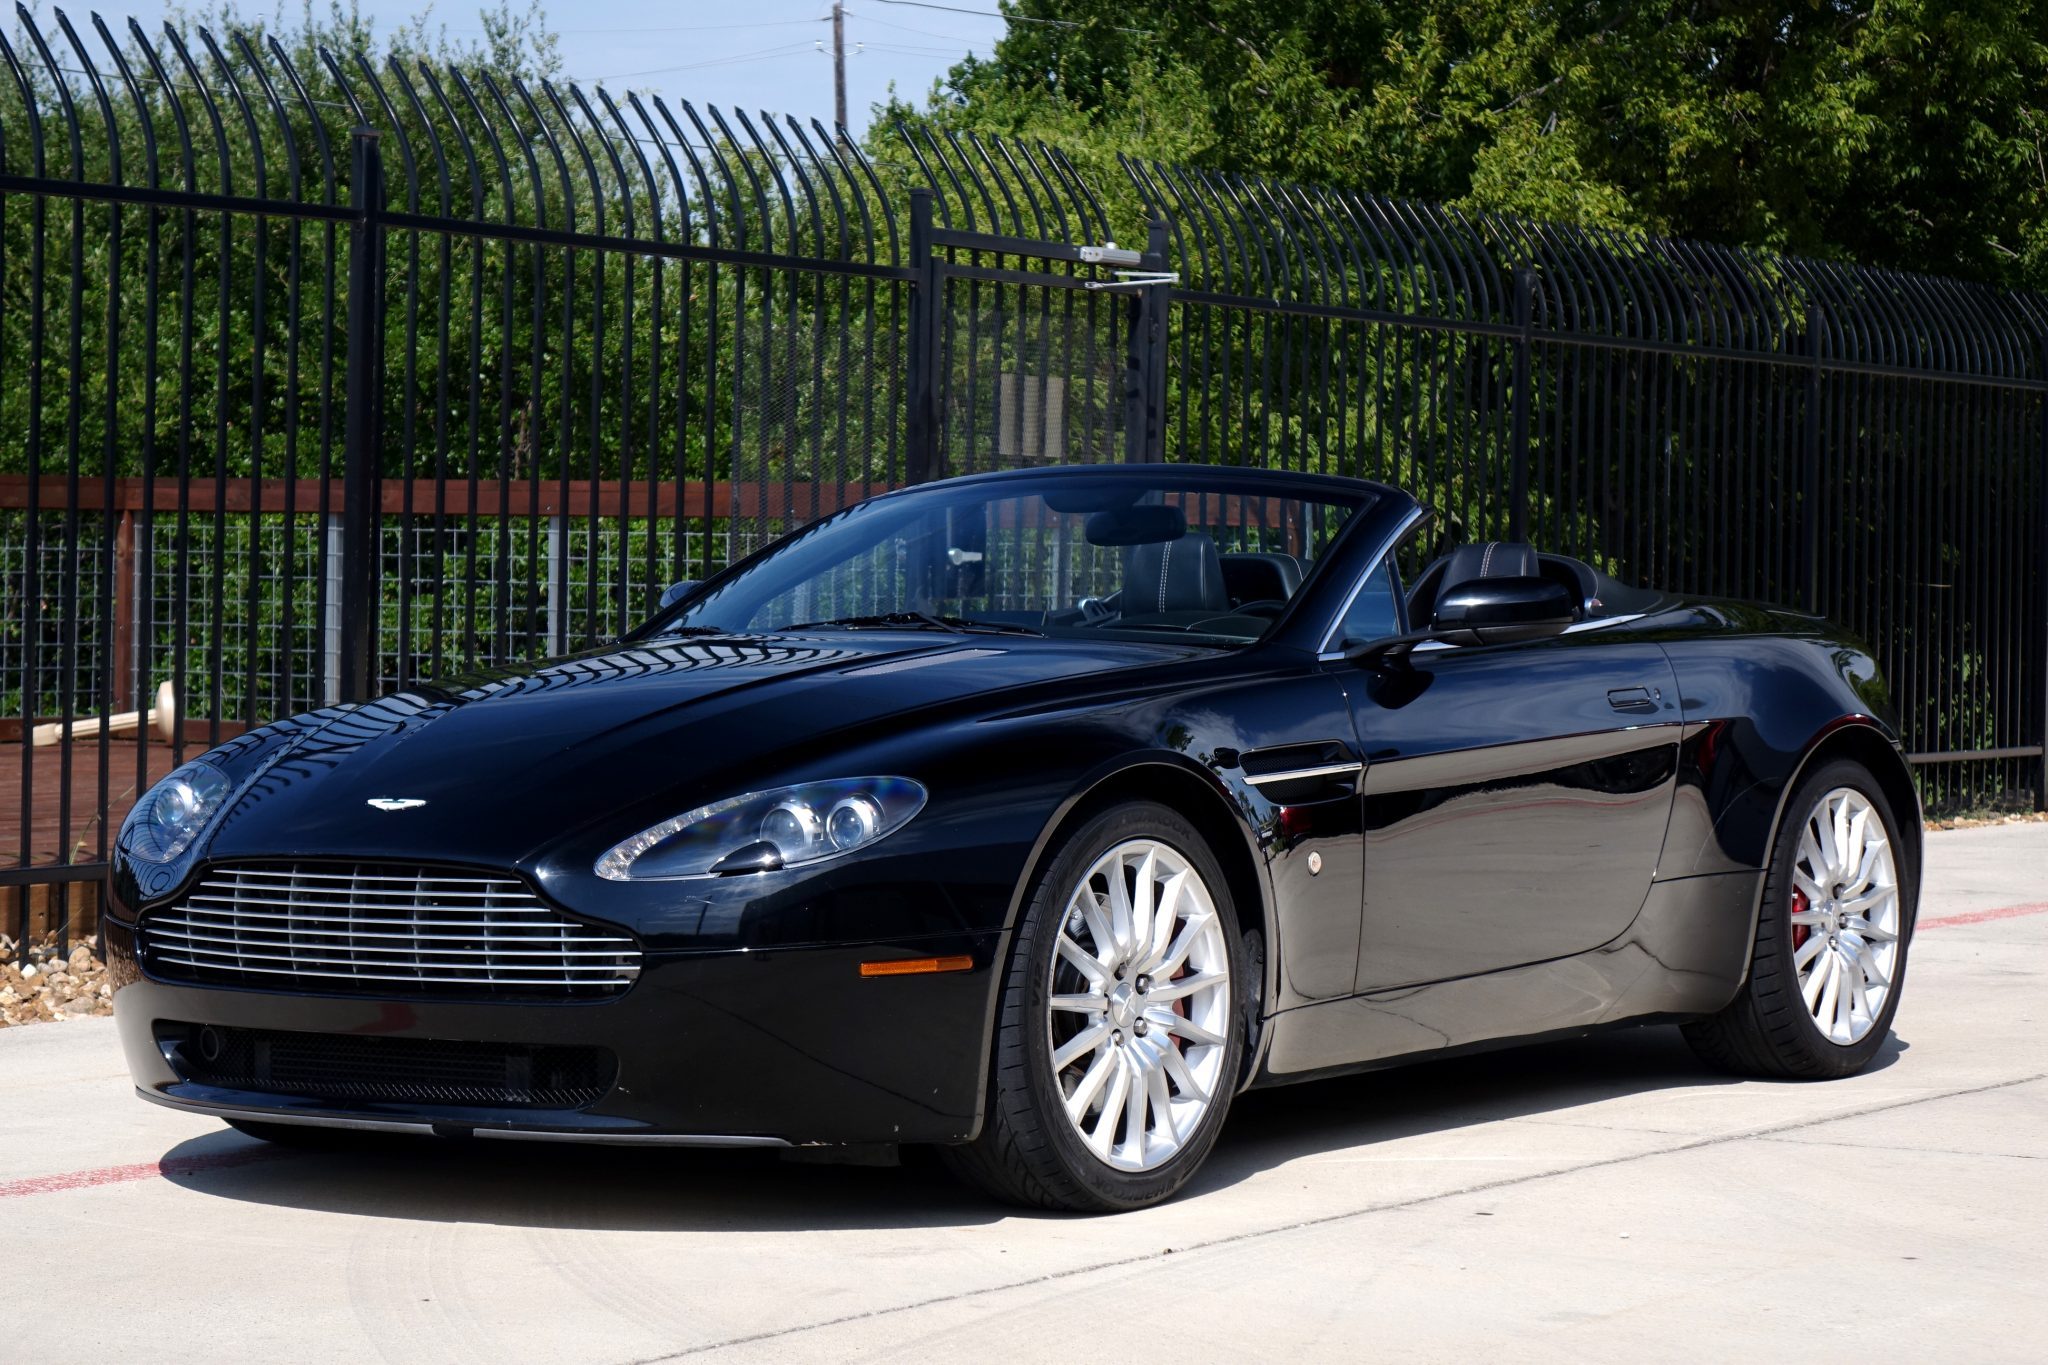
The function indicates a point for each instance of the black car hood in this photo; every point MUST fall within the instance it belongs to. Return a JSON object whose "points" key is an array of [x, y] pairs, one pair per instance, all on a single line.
{"points": [[496, 767]]}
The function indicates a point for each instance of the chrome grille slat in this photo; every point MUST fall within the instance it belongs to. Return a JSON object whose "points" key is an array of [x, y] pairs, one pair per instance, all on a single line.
{"points": [[294, 953], [197, 907], [240, 954], [458, 898], [441, 934], [413, 879], [365, 976], [426, 928]]}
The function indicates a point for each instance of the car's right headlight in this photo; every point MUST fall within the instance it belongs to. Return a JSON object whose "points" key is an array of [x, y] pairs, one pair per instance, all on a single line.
{"points": [[175, 812], [767, 830]]}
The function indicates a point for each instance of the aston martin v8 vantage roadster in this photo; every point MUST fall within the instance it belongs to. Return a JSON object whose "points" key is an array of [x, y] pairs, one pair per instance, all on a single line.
{"points": [[1031, 816]]}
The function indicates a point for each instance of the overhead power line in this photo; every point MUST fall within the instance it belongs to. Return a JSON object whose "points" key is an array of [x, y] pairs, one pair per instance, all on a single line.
{"points": [[926, 32], [760, 55], [667, 28], [1009, 18]]}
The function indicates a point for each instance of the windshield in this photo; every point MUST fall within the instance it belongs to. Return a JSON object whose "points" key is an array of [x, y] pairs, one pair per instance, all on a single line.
{"points": [[1138, 552]]}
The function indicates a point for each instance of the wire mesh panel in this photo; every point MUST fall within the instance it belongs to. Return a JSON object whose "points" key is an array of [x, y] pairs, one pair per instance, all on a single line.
{"points": [[818, 395], [1033, 332], [1031, 374], [165, 366], [1335, 333], [1929, 549], [628, 357]]}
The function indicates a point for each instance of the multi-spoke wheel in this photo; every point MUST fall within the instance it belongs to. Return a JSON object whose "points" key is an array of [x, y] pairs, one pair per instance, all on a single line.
{"points": [[1119, 1034], [1831, 940], [1139, 1004], [1845, 915]]}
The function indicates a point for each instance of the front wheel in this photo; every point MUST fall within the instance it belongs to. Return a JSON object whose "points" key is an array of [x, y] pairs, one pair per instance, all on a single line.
{"points": [[1120, 1035], [1831, 939]]}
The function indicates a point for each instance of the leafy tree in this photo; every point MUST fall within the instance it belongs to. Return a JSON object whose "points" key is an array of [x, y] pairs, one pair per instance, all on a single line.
{"points": [[1908, 133]]}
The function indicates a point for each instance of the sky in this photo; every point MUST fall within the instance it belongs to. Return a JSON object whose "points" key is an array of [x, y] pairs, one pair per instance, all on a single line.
{"points": [[751, 54]]}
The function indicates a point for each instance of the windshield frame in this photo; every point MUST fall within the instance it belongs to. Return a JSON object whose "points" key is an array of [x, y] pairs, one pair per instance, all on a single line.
{"points": [[1361, 501]]}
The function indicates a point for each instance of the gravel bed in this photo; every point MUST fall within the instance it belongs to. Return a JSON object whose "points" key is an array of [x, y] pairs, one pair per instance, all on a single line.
{"points": [[53, 986], [2027, 817]]}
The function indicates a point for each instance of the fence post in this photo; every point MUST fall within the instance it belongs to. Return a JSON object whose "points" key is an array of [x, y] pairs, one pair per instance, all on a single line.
{"points": [[921, 435], [1525, 332], [2041, 583], [1145, 359], [1809, 494], [363, 424]]}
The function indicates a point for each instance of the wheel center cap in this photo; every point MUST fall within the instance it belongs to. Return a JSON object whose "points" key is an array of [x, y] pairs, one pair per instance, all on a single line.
{"points": [[1123, 1007]]}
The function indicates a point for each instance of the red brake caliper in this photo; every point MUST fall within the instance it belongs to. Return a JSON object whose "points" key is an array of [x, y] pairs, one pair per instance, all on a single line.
{"points": [[1180, 1006], [1800, 905]]}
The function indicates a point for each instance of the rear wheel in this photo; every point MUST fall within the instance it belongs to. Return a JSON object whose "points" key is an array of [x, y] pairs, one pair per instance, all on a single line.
{"points": [[1830, 954], [1118, 1037]]}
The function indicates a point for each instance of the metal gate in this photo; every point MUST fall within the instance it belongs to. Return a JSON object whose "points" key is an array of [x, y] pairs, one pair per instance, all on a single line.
{"points": [[1027, 352]]}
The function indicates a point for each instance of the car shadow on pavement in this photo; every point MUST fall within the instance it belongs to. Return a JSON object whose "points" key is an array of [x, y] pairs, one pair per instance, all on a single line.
{"points": [[658, 1189], [1558, 1082]]}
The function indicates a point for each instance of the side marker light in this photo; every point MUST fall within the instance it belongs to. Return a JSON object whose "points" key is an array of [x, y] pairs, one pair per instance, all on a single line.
{"points": [[915, 966]]}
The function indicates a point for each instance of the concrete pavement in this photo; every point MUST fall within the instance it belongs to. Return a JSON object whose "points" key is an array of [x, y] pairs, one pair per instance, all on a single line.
{"points": [[1605, 1197]]}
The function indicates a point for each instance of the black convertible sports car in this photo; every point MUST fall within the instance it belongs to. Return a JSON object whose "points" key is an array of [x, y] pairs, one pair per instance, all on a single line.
{"points": [[1032, 815]]}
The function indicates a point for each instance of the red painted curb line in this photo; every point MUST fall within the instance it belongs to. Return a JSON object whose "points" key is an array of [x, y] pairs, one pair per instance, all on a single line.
{"points": [[141, 1170], [1983, 916]]}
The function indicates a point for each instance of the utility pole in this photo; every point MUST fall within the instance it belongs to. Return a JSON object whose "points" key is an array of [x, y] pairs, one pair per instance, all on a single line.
{"points": [[838, 66]]}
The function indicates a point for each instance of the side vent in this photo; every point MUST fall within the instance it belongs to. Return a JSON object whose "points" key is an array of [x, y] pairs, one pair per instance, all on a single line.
{"points": [[1299, 774]]}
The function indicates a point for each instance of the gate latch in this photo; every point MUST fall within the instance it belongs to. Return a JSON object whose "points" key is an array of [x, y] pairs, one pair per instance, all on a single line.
{"points": [[1109, 253], [1134, 279]]}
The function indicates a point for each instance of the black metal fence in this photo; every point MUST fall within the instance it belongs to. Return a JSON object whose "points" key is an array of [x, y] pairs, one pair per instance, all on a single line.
{"points": [[318, 378]]}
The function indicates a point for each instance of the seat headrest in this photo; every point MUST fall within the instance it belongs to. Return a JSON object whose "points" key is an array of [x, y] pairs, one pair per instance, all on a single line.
{"points": [[1253, 576], [1174, 575], [1489, 559]]}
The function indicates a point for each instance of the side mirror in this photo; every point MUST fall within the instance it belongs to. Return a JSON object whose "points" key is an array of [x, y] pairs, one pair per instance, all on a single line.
{"points": [[1492, 611], [676, 592], [1384, 651]]}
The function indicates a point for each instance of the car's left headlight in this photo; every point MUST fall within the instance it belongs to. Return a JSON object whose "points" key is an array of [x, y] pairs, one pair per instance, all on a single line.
{"points": [[175, 812], [768, 830]]}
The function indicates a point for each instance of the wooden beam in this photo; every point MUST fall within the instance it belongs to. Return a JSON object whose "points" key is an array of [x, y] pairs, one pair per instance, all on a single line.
{"points": [[794, 502]]}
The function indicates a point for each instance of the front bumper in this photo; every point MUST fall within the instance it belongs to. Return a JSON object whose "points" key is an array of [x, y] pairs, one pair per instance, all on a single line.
{"points": [[764, 1047]]}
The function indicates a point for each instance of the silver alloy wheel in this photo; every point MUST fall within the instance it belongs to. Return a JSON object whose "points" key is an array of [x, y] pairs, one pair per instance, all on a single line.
{"points": [[1139, 1016], [1845, 916]]}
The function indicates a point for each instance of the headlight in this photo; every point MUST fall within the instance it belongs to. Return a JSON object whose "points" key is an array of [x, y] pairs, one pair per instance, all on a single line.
{"points": [[764, 831], [175, 812]]}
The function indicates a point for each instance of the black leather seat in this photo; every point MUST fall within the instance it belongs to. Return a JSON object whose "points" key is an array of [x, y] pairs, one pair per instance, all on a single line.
{"points": [[1489, 559], [1174, 576]]}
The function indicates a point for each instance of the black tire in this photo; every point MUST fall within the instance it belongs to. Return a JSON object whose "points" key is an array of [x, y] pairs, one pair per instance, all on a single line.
{"points": [[1767, 1030], [1028, 1153]]}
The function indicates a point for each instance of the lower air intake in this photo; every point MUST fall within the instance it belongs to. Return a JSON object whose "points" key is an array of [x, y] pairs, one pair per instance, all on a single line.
{"points": [[346, 1067]]}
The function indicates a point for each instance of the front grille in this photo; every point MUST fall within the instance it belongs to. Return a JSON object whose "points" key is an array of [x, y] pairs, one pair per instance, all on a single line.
{"points": [[376, 930], [355, 1067]]}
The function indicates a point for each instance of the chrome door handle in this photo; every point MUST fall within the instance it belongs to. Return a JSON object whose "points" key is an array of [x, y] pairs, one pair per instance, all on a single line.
{"points": [[1631, 699]]}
